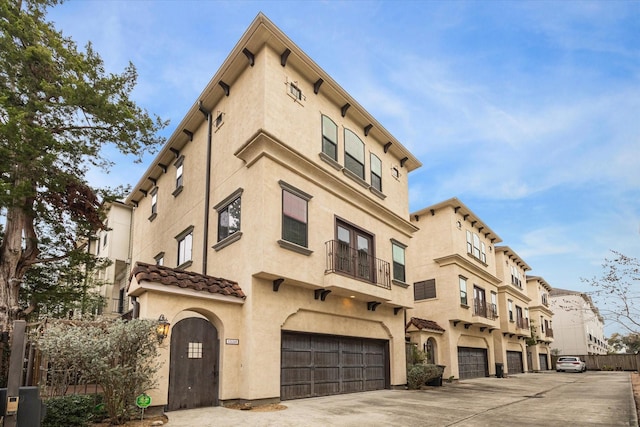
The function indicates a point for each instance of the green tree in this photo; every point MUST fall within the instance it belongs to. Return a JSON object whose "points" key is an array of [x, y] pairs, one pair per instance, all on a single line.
{"points": [[59, 109], [617, 291]]}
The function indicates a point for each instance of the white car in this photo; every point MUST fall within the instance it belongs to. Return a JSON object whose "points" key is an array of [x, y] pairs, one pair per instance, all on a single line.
{"points": [[570, 363]]}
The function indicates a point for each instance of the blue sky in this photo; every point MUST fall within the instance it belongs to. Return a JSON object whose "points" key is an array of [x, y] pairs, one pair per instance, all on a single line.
{"points": [[527, 111]]}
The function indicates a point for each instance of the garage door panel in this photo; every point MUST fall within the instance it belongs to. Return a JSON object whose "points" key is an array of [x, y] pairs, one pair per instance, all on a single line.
{"points": [[326, 374], [472, 362], [325, 365], [326, 359], [352, 359], [514, 362]]}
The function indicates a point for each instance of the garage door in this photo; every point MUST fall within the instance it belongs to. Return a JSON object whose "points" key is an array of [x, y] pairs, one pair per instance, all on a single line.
{"points": [[320, 365], [543, 362], [472, 362], [514, 362]]}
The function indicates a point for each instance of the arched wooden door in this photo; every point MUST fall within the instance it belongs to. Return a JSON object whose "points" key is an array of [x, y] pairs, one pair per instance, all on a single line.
{"points": [[193, 366]]}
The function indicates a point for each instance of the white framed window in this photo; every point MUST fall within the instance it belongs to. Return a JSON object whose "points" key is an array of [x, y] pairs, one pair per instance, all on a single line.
{"points": [[510, 303], [463, 290], [194, 350], [229, 216], [179, 164], [185, 246], [376, 172], [294, 217], [329, 138], [398, 261], [475, 247], [353, 154], [295, 91]]}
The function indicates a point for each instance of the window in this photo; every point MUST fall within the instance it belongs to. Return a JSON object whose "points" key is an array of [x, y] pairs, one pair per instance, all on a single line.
{"points": [[194, 350], [463, 291], [185, 246], [294, 215], [475, 247], [479, 302], [376, 172], [353, 154], [159, 258], [510, 311], [494, 303], [154, 204], [424, 290], [218, 121], [295, 91], [329, 138], [179, 164], [104, 239], [542, 324], [229, 216], [398, 261]]}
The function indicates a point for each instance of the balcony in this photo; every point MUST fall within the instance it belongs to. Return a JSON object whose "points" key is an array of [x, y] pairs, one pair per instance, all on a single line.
{"points": [[482, 309], [358, 264], [548, 333], [522, 323]]}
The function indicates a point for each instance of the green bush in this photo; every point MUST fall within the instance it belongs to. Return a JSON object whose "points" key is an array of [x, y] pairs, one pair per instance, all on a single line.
{"points": [[419, 374], [73, 411]]}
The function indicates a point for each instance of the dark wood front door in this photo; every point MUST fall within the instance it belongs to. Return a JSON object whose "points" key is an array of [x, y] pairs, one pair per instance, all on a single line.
{"points": [[193, 367]]}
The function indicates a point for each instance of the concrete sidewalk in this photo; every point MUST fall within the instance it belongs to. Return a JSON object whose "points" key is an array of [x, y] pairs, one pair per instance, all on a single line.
{"points": [[540, 399]]}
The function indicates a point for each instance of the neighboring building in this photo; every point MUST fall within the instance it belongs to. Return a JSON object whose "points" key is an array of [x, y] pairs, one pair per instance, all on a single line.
{"points": [[113, 243], [577, 324], [539, 354], [513, 304], [272, 231], [455, 285]]}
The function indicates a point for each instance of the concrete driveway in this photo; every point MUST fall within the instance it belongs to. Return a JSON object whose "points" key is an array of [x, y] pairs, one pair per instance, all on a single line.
{"points": [[540, 399]]}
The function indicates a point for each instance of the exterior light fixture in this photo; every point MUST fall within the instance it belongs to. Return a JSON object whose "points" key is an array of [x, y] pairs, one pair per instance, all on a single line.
{"points": [[162, 329]]}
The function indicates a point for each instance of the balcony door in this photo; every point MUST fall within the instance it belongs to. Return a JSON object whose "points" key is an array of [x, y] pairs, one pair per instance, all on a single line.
{"points": [[480, 301], [355, 252]]}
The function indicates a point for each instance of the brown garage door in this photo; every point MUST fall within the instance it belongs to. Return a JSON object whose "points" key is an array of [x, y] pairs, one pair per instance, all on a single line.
{"points": [[472, 362], [543, 362], [320, 365], [514, 362]]}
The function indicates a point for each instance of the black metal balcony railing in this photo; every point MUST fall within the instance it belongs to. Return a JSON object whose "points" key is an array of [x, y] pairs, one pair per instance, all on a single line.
{"points": [[482, 309], [548, 332], [522, 323], [358, 264]]}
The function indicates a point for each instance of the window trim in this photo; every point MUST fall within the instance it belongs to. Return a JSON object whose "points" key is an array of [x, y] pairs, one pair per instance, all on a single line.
{"points": [[154, 204], [179, 180], [180, 238], [223, 206], [373, 173], [464, 300], [425, 285], [395, 243], [334, 143], [301, 195], [349, 154]]}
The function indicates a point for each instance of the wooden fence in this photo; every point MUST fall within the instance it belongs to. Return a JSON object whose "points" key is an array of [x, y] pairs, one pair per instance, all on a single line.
{"points": [[608, 362]]}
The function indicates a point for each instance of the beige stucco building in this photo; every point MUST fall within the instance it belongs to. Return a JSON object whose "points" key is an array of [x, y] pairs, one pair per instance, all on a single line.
{"points": [[271, 231], [454, 266], [541, 324], [473, 303], [578, 327]]}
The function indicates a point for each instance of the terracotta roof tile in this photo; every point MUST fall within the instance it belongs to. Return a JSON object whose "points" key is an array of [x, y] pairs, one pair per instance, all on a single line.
{"points": [[185, 279], [425, 324]]}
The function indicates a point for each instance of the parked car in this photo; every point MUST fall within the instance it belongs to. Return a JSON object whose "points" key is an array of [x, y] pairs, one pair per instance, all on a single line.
{"points": [[570, 363]]}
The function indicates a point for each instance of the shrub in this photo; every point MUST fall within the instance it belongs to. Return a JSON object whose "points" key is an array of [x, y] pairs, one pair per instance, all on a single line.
{"points": [[117, 355], [73, 411], [419, 374]]}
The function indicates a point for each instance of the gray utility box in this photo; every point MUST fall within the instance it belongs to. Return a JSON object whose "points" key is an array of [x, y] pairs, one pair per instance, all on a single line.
{"points": [[31, 409]]}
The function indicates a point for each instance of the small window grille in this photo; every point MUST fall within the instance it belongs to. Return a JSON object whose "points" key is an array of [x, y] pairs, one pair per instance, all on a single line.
{"points": [[195, 350], [295, 91]]}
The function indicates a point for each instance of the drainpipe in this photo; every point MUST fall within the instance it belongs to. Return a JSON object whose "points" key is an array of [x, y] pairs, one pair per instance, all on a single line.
{"points": [[207, 188]]}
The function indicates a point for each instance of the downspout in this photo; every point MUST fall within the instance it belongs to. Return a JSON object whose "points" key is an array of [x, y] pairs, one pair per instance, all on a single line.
{"points": [[134, 300], [207, 188]]}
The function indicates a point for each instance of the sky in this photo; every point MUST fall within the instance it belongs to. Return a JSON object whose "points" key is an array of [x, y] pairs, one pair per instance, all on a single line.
{"points": [[527, 111]]}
